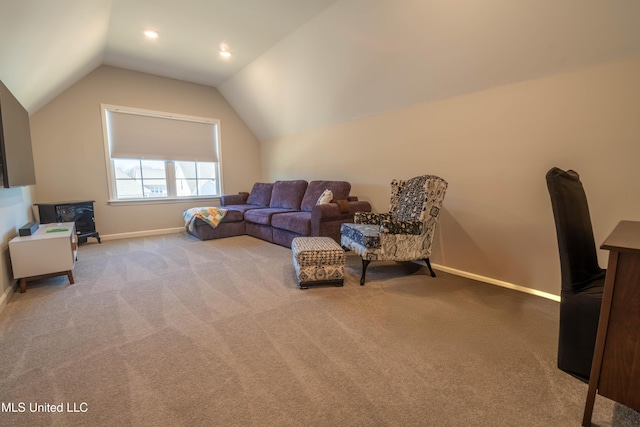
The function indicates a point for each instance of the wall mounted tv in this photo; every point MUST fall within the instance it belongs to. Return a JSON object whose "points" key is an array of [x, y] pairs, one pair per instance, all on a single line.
{"points": [[16, 155]]}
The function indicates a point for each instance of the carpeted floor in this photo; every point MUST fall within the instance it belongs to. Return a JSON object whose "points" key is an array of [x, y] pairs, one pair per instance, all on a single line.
{"points": [[172, 331]]}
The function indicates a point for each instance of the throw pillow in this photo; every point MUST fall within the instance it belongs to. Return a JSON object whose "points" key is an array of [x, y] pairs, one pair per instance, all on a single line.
{"points": [[325, 197]]}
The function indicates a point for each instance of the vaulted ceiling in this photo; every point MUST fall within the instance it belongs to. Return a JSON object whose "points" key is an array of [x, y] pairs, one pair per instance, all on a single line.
{"points": [[47, 45], [298, 64]]}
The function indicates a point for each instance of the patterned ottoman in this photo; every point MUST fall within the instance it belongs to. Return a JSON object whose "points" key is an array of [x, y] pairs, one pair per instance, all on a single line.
{"points": [[318, 260]]}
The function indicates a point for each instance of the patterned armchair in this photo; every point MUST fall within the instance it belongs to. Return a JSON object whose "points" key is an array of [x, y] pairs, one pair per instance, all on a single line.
{"points": [[405, 233]]}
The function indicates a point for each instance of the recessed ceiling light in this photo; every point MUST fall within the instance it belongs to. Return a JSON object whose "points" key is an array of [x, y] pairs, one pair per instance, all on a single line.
{"points": [[224, 50], [151, 34]]}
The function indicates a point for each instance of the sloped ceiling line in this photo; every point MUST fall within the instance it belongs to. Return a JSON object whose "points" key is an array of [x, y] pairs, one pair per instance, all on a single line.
{"points": [[304, 65]]}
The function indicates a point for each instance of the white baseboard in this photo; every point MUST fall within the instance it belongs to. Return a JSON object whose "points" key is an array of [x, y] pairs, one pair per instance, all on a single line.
{"points": [[497, 282], [142, 233], [6, 295]]}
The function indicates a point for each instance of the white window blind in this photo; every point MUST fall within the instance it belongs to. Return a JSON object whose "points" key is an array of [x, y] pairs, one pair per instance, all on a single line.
{"points": [[134, 135]]}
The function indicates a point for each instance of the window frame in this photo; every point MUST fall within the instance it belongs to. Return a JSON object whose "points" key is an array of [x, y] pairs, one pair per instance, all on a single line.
{"points": [[170, 175]]}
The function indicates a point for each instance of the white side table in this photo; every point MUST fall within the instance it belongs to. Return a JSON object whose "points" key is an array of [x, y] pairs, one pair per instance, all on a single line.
{"points": [[50, 251]]}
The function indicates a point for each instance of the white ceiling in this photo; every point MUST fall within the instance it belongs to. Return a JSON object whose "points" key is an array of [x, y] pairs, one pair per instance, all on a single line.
{"points": [[47, 45], [302, 64], [191, 32]]}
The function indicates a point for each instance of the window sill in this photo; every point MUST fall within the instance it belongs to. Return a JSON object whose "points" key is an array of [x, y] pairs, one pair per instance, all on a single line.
{"points": [[162, 201]]}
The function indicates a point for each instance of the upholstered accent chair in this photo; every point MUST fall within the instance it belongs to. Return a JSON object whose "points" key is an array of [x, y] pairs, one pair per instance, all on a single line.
{"points": [[582, 278], [406, 232]]}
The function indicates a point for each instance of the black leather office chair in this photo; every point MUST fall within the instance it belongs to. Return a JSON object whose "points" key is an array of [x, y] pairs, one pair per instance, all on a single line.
{"points": [[582, 277]]}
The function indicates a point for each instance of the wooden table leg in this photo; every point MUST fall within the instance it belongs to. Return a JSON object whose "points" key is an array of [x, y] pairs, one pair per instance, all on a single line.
{"points": [[588, 406], [23, 285], [603, 324]]}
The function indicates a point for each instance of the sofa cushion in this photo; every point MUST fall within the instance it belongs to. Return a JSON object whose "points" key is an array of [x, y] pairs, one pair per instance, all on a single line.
{"points": [[239, 210], [365, 235], [262, 216], [232, 215], [340, 190], [288, 194], [260, 194], [297, 222]]}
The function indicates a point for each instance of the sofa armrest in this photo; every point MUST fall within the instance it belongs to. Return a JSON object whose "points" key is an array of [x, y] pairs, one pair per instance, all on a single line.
{"points": [[234, 199], [326, 212], [333, 211], [326, 219], [359, 206]]}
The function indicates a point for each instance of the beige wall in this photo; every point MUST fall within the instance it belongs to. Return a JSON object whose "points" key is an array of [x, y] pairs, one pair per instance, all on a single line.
{"points": [[69, 154], [494, 148], [15, 211]]}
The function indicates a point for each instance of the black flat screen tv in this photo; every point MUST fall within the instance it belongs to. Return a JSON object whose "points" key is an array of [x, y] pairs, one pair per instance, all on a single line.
{"points": [[16, 155]]}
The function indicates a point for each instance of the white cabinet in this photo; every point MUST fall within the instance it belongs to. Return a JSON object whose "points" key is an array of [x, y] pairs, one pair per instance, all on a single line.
{"points": [[50, 251]]}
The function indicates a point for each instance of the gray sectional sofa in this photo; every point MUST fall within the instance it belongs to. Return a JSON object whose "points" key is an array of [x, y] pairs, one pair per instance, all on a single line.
{"points": [[280, 211]]}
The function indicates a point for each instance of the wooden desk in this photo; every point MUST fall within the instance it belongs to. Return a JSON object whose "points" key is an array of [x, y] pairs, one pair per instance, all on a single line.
{"points": [[615, 371]]}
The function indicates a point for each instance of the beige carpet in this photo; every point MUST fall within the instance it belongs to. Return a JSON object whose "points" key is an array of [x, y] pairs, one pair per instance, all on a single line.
{"points": [[173, 331]]}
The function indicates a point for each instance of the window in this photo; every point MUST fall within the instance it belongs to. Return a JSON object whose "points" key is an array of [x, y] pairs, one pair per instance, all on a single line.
{"points": [[154, 156], [137, 179], [196, 179]]}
